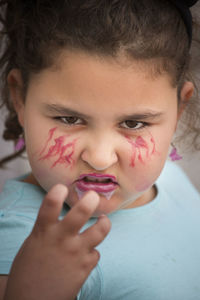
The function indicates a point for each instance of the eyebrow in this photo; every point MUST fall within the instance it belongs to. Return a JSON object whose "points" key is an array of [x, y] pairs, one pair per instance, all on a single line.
{"points": [[62, 110]]}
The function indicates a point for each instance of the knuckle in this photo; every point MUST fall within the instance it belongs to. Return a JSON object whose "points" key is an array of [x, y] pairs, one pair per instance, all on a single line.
{"points": [[91, 260], [84, 209], [103, 230], [104, 226], [73, 248], [95, 256]]}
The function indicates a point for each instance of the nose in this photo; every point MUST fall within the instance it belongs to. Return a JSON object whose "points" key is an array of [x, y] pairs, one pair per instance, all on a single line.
{"points": [[100, 153]]}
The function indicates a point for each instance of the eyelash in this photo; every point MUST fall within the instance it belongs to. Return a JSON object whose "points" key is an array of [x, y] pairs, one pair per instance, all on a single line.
{"points": [[61, 119]]}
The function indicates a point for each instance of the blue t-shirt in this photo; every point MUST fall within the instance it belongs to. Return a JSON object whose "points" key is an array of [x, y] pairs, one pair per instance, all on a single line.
{"points": [[151, 253]]}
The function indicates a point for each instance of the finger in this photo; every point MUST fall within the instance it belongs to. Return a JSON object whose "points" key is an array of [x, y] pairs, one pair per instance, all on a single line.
{"points": [[88, 263], [52, 205], [94, 258], [81, 212], [95, 234]]}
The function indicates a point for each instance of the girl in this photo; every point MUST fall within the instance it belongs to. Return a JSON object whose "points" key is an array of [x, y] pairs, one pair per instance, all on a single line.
{"points": [[94, 91]]}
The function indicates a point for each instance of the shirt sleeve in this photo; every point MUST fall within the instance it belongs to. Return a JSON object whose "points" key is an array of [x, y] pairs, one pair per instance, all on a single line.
{"points": [[14, 229]]}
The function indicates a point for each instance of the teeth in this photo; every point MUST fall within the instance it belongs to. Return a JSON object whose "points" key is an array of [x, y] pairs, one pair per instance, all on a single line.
{"points": [[89, 179]]}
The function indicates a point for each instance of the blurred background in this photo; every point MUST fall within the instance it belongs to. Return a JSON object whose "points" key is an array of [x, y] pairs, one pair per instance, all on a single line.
{"points": [[18, 166], [190, 162]]}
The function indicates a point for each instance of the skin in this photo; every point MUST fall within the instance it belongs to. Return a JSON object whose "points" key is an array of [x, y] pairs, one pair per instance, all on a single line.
{"points": [[55, 259], [105, 90], [102, 142]]}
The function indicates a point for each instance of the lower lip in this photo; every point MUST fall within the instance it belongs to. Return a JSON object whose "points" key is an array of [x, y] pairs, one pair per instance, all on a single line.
{"points": [[97, 187]]}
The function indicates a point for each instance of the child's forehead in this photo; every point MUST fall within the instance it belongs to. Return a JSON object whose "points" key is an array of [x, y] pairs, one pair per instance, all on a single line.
{"points": [[121, 61], [79, 63], [96, 82]]}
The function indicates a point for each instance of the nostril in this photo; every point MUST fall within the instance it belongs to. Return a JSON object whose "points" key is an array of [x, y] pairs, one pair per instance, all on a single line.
{"points": [[99, 160]]}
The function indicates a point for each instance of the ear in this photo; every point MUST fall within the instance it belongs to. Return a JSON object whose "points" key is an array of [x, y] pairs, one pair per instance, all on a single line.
{"points": [[15, 85], [186, 94]]}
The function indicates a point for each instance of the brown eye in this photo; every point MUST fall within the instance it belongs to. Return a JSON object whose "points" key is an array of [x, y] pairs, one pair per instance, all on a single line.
{"points": [[71, 120], [132, 124]]}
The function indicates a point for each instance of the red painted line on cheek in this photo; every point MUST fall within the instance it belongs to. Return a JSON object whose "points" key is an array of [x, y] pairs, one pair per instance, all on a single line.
{"points": [[137, 147], [141, 143], [63, 159], [133, 158], [51, 133], [154, 151], [59, 149], [55, 149], [154, 146]]}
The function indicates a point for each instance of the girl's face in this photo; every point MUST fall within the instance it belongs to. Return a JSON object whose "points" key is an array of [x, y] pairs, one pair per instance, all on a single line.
{"points": [[93, 123]]}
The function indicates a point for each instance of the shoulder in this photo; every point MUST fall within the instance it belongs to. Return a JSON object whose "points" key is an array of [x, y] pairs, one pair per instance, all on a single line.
{"points": [[17, 195], [175, 185], [174, 177], [19, 204], [172, 169]]}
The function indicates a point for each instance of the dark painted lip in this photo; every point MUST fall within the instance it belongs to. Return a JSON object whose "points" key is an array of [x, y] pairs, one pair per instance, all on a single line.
{"points": [[97, 187], [96, 175]]}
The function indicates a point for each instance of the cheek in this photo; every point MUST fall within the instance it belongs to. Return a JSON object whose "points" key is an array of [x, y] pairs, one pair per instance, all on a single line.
{"points": [[59, 150], [145, 162], [53, 159], [142, 150]]}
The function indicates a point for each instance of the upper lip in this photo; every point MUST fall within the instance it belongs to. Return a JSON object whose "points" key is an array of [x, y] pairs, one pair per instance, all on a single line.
{"points": [[103, 176]]}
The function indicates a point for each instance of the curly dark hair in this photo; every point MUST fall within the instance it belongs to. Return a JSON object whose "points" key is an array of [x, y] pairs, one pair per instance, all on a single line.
{"points": [[33, 33]]}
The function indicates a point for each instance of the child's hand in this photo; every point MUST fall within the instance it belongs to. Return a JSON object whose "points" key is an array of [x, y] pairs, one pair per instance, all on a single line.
{"points": [[56, 259]]}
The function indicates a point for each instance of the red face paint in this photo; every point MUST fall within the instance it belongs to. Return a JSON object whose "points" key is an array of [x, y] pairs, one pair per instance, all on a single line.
{"points": [[154, 151], [137, 147], [51, 133], [154, 146], [61, 152]]}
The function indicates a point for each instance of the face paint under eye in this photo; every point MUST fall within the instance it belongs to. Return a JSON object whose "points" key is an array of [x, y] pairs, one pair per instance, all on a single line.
{"points": [[137, 147], [51, 133], [154, 146], [63, 153], [140, 143]]}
